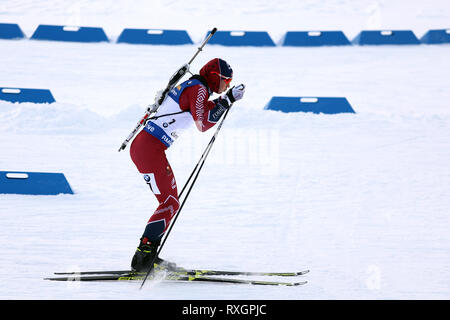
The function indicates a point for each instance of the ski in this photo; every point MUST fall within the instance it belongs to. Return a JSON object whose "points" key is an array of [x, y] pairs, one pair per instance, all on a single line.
{"points": [[201, 272], [190, 272], [94, 272], [171, 277]]}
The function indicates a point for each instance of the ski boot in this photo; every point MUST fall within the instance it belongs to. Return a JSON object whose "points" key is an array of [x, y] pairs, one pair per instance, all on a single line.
{"points": [[144, 255]]}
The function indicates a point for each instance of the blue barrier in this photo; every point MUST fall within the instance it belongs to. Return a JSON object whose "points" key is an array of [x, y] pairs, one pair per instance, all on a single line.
{"points": [[154, 36], [325, 105], [394, 37], [26, 95], [68, 33], [10, 31], [37, 183], [315, 38], [242, 38], [436, 36]]}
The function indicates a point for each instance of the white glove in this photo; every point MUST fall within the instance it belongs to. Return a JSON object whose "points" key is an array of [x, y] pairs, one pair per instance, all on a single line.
{"points": [[236, 93]]}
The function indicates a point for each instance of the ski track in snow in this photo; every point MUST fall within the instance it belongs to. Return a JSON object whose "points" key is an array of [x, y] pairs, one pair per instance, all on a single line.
{"points": [[359, 199]]}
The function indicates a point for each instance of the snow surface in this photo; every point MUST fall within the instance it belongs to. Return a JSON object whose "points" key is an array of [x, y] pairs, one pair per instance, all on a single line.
{"points": [[361, 199]]}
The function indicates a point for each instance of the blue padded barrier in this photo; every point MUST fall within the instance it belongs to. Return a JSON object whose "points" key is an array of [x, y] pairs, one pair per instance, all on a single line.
{"points": [[436, 36], [10, 31], [242, 38], [69, 33], [315, 38], [386, 37], [327, 105], [26, 95], [154, 36], [36, 183]]}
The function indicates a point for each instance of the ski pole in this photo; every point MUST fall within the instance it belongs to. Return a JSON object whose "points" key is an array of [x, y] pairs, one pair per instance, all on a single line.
{"points": [[205, 153], [172, 82], [200, 163]]}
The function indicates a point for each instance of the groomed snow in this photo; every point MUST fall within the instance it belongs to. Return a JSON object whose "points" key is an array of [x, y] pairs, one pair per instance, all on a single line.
{"points": [[361, 199]]}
